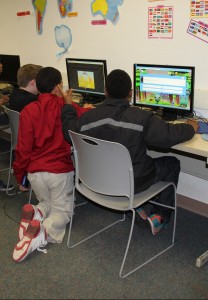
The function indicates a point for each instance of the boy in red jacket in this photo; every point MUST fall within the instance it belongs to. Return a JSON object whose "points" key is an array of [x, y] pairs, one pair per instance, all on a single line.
{"points": [[44, 155]]}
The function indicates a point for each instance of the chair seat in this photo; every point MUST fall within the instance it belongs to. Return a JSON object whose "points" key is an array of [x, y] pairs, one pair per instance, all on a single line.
{"points": [[122, 203]]}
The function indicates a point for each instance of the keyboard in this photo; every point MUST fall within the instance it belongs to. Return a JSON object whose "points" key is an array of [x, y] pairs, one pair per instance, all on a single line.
{"points": [[7, 90]]}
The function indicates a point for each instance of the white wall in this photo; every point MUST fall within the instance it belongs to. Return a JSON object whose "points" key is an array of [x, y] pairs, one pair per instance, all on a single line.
{"points": [[121, 45]]}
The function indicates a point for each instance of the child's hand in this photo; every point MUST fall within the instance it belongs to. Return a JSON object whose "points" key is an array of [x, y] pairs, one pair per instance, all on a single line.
{"points": [[23, 188], [67, 95], [4, 99], [86, 105], [193, 123]]}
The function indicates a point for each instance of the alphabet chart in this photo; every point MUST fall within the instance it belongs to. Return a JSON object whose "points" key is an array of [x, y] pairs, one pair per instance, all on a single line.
{"points": [[160, 22]]}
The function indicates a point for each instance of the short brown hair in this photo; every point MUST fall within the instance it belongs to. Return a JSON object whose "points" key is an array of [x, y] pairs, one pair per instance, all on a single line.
{"points": [[27, 73]]}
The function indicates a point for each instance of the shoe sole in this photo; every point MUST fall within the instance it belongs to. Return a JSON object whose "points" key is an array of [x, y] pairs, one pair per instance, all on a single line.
{"points": [[26, 245], [23, 247], [152, 227]]}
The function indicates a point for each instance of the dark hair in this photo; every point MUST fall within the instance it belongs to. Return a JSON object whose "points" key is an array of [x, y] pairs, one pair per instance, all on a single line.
{"points": [[27, 73], [47, 79], [118, 84]]}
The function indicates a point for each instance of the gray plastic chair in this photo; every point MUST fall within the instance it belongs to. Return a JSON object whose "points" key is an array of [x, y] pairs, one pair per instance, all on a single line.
{"points": [[2, 128], [14, 125], [104, 174]]}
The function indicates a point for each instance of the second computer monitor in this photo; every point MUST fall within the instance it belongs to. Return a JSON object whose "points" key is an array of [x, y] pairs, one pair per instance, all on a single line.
{"points": [[166, 89], [87, 77], [11, 65]]}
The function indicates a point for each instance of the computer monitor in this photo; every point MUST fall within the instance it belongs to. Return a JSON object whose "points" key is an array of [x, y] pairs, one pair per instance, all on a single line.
{"points": [[11, 64], [87, 77], [167, 90]]}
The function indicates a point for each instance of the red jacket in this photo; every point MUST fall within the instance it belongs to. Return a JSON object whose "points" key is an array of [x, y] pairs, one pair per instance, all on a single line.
{"points": [[41, 146]]}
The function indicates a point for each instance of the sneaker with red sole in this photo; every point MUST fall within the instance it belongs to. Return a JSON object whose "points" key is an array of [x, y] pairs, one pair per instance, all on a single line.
{"points": [[34, 238], [29, 213], [156, 223]]}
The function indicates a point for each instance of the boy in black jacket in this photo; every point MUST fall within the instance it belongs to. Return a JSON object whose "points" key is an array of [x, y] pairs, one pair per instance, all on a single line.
{"points": [[116, 120]]}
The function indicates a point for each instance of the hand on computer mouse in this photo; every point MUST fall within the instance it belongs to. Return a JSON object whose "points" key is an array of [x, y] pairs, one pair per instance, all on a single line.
{"points": [[193, 123]]}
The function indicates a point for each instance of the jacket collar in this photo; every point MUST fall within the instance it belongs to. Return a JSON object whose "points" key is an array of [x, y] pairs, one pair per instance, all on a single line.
{"points": [[116, 102]]}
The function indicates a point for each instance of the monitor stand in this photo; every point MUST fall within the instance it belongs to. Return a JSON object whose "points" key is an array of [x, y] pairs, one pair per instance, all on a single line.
{"points": [[167, 116]]}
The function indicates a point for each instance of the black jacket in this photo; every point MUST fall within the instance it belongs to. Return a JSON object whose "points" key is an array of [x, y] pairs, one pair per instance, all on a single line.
{"points": [[19, 98], [115, 120]]}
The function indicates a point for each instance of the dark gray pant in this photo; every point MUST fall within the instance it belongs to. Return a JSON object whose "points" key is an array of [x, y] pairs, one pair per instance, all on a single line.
{"points": [[167, 168]]}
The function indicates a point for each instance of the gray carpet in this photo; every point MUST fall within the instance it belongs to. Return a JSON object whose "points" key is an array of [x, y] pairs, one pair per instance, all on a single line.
{"points": [[90, 271]]}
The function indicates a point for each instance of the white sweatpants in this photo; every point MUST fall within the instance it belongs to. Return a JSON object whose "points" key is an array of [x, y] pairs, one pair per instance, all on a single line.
{"points": [[54, 193]]}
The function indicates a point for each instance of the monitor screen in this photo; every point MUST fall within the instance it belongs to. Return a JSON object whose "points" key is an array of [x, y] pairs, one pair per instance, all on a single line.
{"points": [[11, 64], [168, 90], [87, 77]]}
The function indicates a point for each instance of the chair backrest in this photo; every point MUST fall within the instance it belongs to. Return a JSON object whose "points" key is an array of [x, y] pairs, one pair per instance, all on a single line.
{"points": [[102, 166], [2, 111], [4, 127], [14, 125]]}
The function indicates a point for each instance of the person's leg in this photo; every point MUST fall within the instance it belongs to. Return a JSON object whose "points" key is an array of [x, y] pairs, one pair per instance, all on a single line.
{"points": [[54, 192], [39, 185], [61, 190], [35, 212], [167, 168]]}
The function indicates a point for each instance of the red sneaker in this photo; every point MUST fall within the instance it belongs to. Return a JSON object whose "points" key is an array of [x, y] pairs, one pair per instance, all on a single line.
{"points": [[156, 223], [35, 237]]}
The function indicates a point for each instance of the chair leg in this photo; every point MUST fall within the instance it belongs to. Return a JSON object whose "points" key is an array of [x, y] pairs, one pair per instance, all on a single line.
{"points": [[90, 236], [30, 195], [9, 176], [128, 244], [161, 252], [130, 237]]}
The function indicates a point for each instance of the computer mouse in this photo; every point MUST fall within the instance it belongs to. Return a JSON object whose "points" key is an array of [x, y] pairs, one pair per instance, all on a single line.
{"points": [[205, 136]]}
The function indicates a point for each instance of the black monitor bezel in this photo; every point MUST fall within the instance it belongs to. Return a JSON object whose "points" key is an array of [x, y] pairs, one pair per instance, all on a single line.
{"points": [[85, 93], [14, 65], [161, 109]]}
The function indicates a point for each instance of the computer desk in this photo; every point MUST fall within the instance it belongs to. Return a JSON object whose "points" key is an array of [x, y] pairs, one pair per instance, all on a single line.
{"points": [[196, 146]]}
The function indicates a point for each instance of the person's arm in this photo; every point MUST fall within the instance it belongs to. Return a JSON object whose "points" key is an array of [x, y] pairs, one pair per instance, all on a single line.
{"points": [[3, 99], [24, 146], [193, 123], [165, 135], [69, 119], [70, 113], [67, 97]]}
